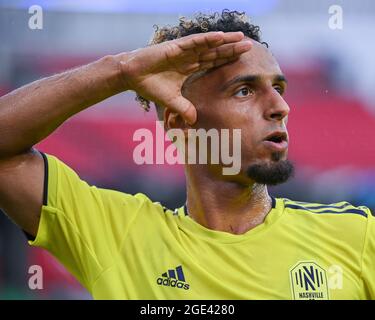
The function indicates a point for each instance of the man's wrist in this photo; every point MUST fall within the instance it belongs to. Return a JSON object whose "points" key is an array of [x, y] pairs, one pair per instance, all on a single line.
{"points": [[121, 60], [115, 78]]}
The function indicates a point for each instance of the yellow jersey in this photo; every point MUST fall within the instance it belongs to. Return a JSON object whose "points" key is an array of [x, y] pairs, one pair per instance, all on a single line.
{"points": [[121, 246]]}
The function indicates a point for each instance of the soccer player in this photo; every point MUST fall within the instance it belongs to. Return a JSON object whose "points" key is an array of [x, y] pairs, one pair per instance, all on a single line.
{"points": [[231, 240]]}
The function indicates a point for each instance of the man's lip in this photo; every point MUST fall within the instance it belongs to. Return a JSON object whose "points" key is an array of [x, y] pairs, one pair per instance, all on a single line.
{"points": [[277, 146], [280, 134]]}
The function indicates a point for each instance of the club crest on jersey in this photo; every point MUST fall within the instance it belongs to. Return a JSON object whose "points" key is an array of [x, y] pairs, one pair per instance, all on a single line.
{"points": [[308, 281]]}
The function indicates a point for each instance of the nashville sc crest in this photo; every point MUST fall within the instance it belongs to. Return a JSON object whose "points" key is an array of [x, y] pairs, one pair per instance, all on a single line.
{"points": [[308, 281]]}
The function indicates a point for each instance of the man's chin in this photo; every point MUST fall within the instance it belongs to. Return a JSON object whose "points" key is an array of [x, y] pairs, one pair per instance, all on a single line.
{"points": [[276, 171], [279, 156]]}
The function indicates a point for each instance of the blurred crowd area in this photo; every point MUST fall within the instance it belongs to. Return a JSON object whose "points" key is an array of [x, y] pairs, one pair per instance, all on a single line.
{"points": [[331, 94]]}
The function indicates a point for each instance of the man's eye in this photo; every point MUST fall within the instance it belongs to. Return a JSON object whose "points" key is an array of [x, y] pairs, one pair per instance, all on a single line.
{"points": [[244, 92], [279, 89]]}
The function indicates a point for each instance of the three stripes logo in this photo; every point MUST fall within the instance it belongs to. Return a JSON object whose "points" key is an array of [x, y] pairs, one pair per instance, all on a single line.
{"points": [[173, 278]]}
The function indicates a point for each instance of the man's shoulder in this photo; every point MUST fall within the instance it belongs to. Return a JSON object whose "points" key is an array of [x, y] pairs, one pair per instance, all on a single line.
{"points": [[337, 209], [339, 223]]}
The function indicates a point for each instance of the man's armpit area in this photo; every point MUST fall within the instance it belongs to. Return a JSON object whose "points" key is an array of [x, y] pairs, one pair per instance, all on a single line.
{"points": [[21, 189]]}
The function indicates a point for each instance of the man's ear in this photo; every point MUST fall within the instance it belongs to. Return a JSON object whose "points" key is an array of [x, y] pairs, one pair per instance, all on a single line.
{"points": [[172, 120]]}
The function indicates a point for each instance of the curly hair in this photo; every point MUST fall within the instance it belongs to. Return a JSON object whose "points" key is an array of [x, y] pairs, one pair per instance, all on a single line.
{"points": [[226, 21]]}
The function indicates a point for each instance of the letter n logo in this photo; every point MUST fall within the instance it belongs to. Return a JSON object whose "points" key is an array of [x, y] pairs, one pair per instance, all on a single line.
{"points": [[308, 281]]}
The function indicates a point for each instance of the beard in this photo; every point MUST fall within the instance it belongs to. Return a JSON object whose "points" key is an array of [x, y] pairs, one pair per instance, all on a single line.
{"points": [[271, 173]]}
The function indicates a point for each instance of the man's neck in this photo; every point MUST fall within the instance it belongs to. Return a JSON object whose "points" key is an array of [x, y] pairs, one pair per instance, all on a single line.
{"points": [[226, 206]]}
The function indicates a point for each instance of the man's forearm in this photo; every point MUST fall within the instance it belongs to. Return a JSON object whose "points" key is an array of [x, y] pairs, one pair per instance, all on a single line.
{"points": [[157, 73], [31, 113]]}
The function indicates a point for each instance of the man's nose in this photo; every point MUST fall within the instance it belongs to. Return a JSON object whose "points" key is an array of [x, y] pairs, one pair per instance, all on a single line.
{"points": [[277, 109]]}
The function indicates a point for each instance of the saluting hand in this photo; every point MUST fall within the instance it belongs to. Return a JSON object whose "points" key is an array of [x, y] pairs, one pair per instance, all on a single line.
{"points": [[158, 72]]}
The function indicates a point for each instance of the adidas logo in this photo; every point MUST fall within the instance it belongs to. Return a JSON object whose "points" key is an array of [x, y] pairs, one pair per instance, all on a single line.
{"points": [[173, 278]]}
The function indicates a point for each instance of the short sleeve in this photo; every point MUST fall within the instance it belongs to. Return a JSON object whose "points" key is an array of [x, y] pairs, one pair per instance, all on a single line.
{"points": [[368, 262], [81, 225]]}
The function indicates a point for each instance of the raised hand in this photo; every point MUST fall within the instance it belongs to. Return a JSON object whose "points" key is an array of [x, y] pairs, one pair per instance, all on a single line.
{"points": [[158, 72]]}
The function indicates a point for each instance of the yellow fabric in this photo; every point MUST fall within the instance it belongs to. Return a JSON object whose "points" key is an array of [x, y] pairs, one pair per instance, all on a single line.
{"points": [[121, 246]]}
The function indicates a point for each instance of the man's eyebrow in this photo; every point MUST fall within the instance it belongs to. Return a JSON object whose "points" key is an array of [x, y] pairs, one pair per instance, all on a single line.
{"points": [[251, 78], [280, 78], [247, 78]]}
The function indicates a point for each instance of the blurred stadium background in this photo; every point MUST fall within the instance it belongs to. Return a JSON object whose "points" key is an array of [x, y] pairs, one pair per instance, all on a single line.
{"points": [[331, 93]]}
